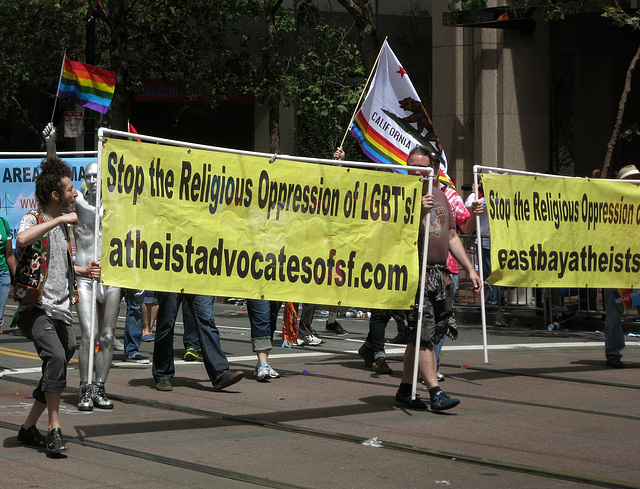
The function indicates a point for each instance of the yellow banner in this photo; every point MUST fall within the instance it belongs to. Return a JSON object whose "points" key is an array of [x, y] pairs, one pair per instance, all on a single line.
{"points": [[215, 223], [563, 232]]}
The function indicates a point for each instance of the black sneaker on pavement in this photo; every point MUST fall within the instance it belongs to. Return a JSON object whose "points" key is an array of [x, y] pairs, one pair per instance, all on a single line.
{"points": [[614, 362], [406, 401], [164, 385], [137, 358], [442, 401], [336, 328], [367, 355], [381, 367], [226, 379], [440, 377]]}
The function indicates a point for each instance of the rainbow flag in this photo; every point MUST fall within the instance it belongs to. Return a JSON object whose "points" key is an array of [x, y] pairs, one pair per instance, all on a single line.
{"points": [[446, 179], [88, 85], [392, 120], [628, 299]]}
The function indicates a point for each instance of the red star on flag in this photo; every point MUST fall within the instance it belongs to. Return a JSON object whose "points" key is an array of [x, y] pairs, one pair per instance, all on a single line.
{"points": [[401, 71]]}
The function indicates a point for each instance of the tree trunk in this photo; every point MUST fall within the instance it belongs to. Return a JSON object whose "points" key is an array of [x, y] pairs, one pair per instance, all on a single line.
{"points": [[623, 102], [362, 13], [273, 100]]}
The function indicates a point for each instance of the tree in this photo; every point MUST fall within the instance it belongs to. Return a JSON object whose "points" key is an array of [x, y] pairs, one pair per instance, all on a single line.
{"points": [[622, 19], [362, 13], [205, 48], [35, 36]]}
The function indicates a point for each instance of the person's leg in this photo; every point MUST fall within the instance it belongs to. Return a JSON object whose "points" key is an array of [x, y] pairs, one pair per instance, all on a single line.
{"points": [[108, 308], [5, 289], [133, 323], [163, 363], [149, 312], [260, 319], [215, 360], [83, 308], [55, 343], [377, 326], [490, 293], [435, 320], [306, 319], [613, 332], [107, 318], [190, 338], [306, 333], [332, 324]]}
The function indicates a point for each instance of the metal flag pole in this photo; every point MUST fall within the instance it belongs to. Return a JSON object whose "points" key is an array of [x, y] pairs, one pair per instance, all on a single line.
{"points": [[423, 279], [476, 171], [96, 256]]}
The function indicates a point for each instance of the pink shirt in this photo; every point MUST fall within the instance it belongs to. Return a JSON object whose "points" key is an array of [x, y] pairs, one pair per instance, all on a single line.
{"points": [[460, 215]]}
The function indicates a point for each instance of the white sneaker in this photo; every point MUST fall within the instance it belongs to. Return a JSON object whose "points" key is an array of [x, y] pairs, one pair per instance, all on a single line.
{"points": [[309, 340], [117, 345], [262, 372], [272, 373]]}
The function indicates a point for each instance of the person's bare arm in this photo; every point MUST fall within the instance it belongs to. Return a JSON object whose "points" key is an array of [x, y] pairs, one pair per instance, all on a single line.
{"points": [[459, 253]]}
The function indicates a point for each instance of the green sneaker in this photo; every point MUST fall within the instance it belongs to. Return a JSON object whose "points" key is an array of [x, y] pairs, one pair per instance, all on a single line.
{"points": [[192, 355]]}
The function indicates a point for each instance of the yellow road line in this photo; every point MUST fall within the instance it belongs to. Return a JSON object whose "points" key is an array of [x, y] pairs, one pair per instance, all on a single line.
{"points": [[24, 354]]}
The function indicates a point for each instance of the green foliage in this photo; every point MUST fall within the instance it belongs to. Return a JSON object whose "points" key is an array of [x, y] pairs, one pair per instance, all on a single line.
{"points": [[473, 4], [207, 47], [622, 19], [35, 35], [630, 132], [325, 83]]}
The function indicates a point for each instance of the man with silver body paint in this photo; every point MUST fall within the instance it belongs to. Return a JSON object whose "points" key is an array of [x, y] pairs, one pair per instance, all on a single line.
{"points": [[92, 394]]}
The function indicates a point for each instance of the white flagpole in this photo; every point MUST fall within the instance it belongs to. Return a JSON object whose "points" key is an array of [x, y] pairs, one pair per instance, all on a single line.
{"points": [[483, 310], [423, 278], [364, 90], [55, 102], [95, 282]]}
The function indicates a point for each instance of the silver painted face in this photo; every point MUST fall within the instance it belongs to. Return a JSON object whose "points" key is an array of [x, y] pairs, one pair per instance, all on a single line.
{"points": [[91, 177]]}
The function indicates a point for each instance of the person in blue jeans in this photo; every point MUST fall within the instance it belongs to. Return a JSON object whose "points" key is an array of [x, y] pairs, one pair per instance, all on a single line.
{"points": [[133, 327], [215, 361], [190, 339], [8, 264], [263, 317]]}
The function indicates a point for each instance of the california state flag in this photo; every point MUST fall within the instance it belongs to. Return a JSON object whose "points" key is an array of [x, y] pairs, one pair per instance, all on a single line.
{"points": [[392, 119]]}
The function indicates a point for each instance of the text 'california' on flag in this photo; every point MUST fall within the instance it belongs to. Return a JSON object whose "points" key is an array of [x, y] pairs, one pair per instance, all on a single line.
{"points": [[392, 119], [89, 86]]}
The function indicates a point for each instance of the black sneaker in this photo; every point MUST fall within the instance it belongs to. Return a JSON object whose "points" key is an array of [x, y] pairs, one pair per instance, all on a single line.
{"points": [[55, 443], [381, 367], [367, 355], [442, 401], [614, 362], [411, 403], [164, 385], [31, 436], [137, 358], [226, 379], [336, 328]]}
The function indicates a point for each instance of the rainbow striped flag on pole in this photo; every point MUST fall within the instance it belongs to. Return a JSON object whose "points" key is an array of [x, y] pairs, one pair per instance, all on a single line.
{"points": [[392, 119], [88, 85]]}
